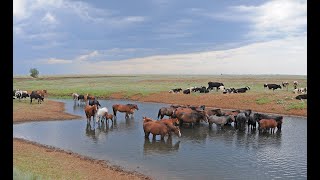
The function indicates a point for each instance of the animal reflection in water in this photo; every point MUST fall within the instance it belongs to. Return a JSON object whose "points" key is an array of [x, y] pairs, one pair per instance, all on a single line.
{"points": [[93, 131], [124, 108], [160, 146]]}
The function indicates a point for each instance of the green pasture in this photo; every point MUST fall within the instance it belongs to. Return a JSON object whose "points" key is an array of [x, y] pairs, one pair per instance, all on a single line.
{"points": [[105, 85]]}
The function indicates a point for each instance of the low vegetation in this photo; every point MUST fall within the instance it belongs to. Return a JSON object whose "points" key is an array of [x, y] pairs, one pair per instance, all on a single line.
{"points": [[140, 87]]}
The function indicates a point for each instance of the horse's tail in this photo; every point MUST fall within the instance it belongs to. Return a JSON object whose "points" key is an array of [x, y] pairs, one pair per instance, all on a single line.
{"points": [[159, 113], [114, 110]]}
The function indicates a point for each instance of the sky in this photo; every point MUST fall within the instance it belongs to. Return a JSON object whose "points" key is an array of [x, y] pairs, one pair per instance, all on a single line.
{"points": [[60, 37]]}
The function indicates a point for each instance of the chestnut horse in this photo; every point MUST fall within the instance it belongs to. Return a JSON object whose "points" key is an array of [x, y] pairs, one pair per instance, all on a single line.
{"points": [[90, 112], [159, 128], [266, 124], [127, 108], [172, 121]]}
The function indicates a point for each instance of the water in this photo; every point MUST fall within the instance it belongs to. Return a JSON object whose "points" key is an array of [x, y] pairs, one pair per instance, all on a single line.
{"points": [[201, 153]]}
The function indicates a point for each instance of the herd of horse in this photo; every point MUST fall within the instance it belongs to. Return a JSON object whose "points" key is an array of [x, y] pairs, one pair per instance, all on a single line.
{"points": [[178, 115]]}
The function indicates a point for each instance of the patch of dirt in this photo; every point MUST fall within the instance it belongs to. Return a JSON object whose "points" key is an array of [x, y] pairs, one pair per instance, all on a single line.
{"points": [[46, 111], [224, 101], [69, 164]]}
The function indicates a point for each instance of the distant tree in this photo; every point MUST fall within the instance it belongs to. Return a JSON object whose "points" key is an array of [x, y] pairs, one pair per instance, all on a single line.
{"points": [[34, 72]]}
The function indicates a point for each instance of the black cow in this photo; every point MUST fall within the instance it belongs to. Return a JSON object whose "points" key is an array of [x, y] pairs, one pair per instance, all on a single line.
{"points": [[273, 86], [187, 91], [214, 84], [302, 96], [35, 95], [176, 90], [242, 90]]}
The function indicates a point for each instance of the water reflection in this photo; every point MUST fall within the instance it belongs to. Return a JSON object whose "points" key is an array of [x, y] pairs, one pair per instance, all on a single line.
{"points": [[91, 132], [160, 146], [196, 134]]}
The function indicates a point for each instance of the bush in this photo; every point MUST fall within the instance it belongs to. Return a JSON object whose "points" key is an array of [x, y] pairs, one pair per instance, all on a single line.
{"points": [[34, 72]]}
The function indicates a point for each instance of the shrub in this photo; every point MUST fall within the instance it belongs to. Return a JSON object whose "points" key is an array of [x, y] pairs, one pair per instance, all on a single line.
{"points": [[34, 72]]}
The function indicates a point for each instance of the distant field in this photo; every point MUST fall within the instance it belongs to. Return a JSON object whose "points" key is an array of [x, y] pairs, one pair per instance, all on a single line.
{"points": [[129, 85]]}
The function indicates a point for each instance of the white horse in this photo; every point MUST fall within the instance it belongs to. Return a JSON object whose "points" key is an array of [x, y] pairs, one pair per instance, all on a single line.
{"points": [[75, 96], [101, 114]]}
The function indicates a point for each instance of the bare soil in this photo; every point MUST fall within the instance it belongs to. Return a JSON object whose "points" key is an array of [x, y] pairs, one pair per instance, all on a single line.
{"points": [[224, 101]]}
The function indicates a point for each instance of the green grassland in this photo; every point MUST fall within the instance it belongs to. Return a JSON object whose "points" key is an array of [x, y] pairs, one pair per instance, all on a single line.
{"points": [[104, 85]]}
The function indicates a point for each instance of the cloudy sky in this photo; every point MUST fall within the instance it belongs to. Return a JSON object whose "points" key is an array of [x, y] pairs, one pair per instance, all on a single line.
{"points": [[160, 37]]}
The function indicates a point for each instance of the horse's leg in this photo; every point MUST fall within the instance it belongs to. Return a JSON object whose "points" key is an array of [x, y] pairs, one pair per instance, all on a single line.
{"points": [[146, 134], [154, 137]]}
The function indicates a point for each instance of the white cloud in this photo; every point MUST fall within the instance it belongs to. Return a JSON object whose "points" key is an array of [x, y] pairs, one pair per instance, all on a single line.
{"points": [[282, 18], [49, 19], [86, 57], [19, 9], [56, 61], [284, 56]]}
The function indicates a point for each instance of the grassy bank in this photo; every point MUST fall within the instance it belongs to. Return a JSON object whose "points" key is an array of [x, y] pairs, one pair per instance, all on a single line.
{"points": [[105, 86], [143, 87]]}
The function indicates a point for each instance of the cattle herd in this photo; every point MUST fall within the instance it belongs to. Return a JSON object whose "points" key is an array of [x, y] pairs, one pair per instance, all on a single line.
{"points": [[220, 86]]}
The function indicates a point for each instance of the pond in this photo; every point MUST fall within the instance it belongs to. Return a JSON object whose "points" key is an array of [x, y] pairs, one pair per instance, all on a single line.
{"points": [[200, 153]]}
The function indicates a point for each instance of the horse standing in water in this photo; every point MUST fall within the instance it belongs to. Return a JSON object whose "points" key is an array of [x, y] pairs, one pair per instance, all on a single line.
{"points": [[90, 111], [127, 108]]}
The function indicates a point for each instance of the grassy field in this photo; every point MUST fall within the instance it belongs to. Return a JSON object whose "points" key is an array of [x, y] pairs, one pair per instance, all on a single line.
{"points": [[103, 85], [154, 88]]}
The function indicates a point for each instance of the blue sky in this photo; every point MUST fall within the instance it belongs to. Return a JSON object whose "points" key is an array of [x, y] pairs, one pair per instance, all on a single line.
{"points": [[160, 37]]}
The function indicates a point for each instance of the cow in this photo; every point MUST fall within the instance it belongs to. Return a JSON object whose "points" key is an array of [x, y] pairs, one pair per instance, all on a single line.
{"points": [[35, 95], [273, 86], [187, 91], [242, 90], [22, 94], [285, 84], [176, 90], [229, 90], [295, 84], [216, 85], [301, 96]]}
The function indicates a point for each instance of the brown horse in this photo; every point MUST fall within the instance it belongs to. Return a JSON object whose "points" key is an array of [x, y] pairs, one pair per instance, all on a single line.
{"points": [[166, 111], [173, 121], [127, 108], [109, 116], [159, 128], [40, 92], [266, 124], [187, 115], [90, 112]]}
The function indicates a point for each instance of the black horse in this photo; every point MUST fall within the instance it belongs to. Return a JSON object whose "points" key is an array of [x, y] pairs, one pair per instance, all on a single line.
{"points": [[94, 102]]}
